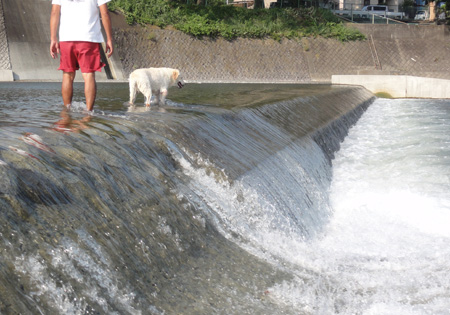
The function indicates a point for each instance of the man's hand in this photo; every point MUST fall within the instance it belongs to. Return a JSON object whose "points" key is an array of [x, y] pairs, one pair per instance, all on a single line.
{"points": [[106, 21], [109, 48], [54, 24], [54, 49]]}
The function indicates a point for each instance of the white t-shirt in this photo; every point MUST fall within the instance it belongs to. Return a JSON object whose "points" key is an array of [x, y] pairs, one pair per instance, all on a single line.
{"points": [[80, 20]]}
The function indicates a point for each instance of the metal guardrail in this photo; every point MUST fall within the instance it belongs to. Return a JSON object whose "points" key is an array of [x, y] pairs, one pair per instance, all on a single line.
{"points": [[368, 19], [357, 14]]}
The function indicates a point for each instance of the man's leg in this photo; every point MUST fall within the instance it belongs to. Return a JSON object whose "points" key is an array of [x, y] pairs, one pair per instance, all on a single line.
{"points": [[67, 88], [90, 89]]}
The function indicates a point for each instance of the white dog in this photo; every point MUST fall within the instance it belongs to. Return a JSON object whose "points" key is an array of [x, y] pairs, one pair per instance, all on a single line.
{"points": [[156, 80]]}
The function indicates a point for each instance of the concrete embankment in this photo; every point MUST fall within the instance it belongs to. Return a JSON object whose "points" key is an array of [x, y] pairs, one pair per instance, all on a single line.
{"points": [[389, 50], [28, 39]]}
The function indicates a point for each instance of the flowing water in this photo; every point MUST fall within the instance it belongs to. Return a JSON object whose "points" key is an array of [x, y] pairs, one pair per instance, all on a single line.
{"points": [[231, 199], [385, 250]]}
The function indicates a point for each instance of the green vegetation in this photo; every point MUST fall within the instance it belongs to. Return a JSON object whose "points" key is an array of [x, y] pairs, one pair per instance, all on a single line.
{"points": [[230, 22], [383, 95]]}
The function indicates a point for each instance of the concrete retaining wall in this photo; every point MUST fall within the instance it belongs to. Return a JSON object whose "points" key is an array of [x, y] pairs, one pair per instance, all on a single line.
{"points": [[5, 64], [420, 51], [27, 26], [398, 86], [390, 49]]}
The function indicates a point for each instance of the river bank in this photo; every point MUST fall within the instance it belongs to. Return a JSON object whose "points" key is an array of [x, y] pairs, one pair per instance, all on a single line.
{"points": [[413, 50]]}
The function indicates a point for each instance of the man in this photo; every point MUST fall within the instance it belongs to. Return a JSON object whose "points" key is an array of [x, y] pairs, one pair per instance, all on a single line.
{"points": [[79, 43]]}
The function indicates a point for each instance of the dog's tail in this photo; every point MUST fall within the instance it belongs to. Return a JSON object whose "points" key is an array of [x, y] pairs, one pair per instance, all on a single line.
{"points": [[133, 89]]}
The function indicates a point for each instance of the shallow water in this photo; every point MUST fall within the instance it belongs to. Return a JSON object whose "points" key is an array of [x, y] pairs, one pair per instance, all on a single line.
{"points": [[100, 214], [222, 201]]}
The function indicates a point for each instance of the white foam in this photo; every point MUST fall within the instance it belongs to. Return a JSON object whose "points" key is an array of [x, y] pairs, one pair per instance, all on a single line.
{"points": [[386, 249], [94, 269]]}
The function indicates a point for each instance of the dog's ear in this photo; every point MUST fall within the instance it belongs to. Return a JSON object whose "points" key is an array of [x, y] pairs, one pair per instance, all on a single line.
{"points": [[175, 74]]}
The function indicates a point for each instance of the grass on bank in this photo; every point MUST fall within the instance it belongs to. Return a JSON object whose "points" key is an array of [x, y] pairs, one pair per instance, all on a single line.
{"points": [[230, 22]]}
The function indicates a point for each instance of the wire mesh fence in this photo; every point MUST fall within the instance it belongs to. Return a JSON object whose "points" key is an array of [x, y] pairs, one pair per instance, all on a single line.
{"points": [[387, 49]]}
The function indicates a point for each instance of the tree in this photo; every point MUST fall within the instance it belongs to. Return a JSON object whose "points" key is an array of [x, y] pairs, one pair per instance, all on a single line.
{"points": [[260, 4], [409, 8]]}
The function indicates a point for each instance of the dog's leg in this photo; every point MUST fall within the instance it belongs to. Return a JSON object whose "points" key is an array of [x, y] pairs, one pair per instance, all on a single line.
{"points": [[132, 91], [163, 94], [148, 97], [146, 89], [157, 96]]}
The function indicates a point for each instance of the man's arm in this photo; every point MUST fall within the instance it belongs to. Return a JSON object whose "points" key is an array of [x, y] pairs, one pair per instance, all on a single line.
{"points": [[106, 21], [54, 23]]}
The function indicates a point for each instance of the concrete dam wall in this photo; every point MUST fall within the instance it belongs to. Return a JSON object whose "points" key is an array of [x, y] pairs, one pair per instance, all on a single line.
{"points": [[388, 50]]}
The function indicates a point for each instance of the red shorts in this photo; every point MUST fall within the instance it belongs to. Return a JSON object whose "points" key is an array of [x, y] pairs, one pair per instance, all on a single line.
{"points": [[80, 55]]}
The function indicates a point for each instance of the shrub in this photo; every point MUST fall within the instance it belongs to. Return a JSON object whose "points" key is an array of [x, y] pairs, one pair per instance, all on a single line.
{"points": [[229, 22]]}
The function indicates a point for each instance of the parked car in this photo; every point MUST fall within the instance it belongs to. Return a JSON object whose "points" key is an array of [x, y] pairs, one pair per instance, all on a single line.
{"points": [[383, 10], [380, 8], [421, 15]]}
